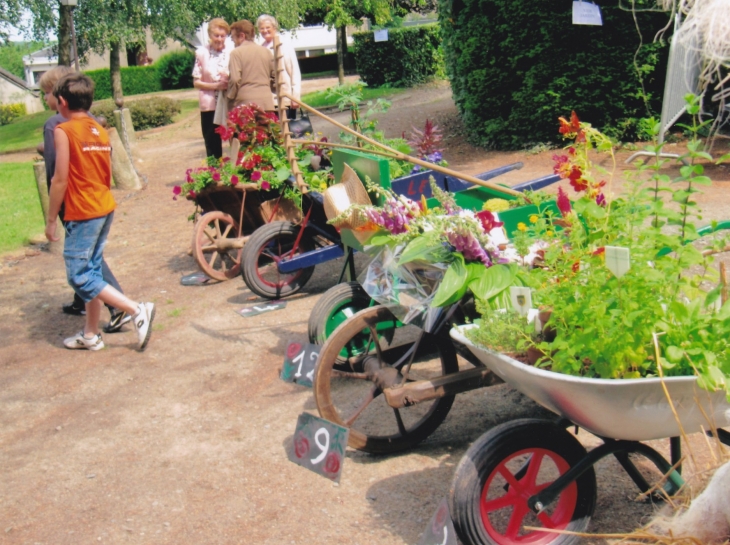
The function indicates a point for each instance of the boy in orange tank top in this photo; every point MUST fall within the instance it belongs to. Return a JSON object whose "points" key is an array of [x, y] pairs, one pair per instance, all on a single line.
{"points": [[81, 182]]}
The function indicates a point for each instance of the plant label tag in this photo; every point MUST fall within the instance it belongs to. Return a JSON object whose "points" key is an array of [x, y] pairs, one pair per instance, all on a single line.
{"points": [[521, 298], [618, 260], [440, 529], [319, 445], [380, 35], [300, 363], [261, 308], [586, 13]]}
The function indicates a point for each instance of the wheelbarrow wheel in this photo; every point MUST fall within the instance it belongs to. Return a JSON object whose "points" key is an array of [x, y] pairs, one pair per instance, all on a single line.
{"points": [[214, 257], [346, 393], [335, 306], [507, 465], [268, 245]]}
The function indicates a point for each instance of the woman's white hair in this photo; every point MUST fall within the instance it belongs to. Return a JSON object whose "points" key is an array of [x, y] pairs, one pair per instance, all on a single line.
{"points": [[267, 18]]}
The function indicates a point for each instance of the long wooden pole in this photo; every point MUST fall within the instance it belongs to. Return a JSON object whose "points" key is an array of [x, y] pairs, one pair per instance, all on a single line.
{"points": [[342, 146], [403, 157], [283, 119]]}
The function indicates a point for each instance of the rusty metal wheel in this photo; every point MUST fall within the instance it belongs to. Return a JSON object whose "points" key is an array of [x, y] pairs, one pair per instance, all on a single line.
{"points": [[346, 391], [216, 246]]}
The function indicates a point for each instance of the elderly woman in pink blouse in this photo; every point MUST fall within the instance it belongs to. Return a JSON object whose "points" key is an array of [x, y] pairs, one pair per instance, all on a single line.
{"points": [[210, 77]]}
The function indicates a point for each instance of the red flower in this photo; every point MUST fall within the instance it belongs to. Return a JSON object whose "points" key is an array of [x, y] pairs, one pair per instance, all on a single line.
{"points": [[224, 160], [488, 220], [576, 179], [332, 463], [601, 199], [572, 127], [192, 194], [563, 202], [216, 176], [176, 190], [600, 251], [256, 158], [234, 180], [188, 178], [301, 445], [576, 266], [265, 185], [248, 164], [224, 132], [255, 176], [292, 350]]}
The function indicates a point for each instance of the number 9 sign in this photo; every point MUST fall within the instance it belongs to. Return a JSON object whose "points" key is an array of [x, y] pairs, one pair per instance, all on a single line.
{"points": [[319, 445]]}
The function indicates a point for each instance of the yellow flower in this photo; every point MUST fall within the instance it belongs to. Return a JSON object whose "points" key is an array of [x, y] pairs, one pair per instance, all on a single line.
{"points": [[549, 233], [533, 218], [522, 227]]}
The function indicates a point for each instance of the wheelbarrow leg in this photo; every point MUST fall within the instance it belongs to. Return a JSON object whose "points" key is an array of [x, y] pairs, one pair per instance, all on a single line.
{"points": [[348, 269]]}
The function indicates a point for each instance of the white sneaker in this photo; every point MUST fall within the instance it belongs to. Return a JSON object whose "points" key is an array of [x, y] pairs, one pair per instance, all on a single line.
{"points": [[79, 342], [143, 323]]}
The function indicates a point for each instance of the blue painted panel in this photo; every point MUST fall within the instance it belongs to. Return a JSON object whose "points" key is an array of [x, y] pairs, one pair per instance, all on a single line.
{"points": [[309, 259]]}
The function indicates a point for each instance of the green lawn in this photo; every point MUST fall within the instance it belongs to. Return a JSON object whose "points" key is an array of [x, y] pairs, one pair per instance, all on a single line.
{"points": [[319, 99], [21, 216], [24, 132]]}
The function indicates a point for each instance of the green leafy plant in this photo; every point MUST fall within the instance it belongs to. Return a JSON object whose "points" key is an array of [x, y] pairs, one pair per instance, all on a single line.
{"points": [[175, 70], [606, 321], [146, 113], [507, 331], [136, 80], [8, 112]]}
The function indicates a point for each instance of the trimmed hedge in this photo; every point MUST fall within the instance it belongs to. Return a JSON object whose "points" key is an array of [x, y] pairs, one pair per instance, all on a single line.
{"points": [[410, 56], [146, 113], [515, 67], [8, 112], [175, 70], [135, 81]]}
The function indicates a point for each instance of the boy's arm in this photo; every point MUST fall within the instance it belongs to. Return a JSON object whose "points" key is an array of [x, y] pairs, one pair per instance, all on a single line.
{"points": [[59, 183]]}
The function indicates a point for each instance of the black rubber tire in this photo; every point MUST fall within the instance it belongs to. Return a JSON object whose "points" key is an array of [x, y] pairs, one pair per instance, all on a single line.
{"points": [[274, 239], [374, 430], [348, 297], [495, 448]]}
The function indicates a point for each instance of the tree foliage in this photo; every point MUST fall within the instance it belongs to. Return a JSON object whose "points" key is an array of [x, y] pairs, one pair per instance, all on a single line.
{"points": [[10, 11]]}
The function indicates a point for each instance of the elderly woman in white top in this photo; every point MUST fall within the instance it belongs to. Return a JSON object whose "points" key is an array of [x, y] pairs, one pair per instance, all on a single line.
{"points": [[291, 76], [210, 77]]}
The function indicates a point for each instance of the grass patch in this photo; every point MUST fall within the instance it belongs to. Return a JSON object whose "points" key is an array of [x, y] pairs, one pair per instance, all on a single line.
{"points": [[319, 99], [24, 132], [20, 209], [187, 107]]}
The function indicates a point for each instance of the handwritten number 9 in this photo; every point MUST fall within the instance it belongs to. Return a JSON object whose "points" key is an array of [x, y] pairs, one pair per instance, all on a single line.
{"points": [[323, 447]]}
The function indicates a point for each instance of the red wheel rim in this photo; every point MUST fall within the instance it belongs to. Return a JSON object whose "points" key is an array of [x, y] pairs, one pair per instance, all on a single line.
{"points": [[274, 253], [503, 503]]}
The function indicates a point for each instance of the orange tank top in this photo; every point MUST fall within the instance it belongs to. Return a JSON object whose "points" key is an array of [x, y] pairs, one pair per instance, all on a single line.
{"points": [[88, 194]]}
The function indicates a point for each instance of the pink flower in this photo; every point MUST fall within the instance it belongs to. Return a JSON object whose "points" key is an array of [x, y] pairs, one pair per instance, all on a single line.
{"points": [[176, 190], [255, 176], [192, 194], [234, 180], [601, 199], [216, 176], [265, 185], [188, 178], [563, 202]]}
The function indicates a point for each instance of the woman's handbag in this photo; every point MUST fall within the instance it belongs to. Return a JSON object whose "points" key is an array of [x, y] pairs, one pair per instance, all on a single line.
{"points": [[300, 127]]}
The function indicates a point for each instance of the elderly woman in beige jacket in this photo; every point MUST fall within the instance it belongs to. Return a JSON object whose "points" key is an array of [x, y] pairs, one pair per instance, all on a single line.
{"points": [[291, 76]]}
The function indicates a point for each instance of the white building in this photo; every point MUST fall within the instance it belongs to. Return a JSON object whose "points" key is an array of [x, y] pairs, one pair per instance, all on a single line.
{"points": [[14, 90]]}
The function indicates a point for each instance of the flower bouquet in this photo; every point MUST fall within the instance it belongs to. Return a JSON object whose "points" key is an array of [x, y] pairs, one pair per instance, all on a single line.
{"points": [[425, 259]]}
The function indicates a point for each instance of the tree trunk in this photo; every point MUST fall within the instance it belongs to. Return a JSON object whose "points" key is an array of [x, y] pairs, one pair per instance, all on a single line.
{"points": [[65, 13], [341, 52], [115, 70]]}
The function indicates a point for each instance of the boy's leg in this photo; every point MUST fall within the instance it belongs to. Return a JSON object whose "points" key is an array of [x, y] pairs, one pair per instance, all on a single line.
{"points": [[109, 278], [93, 313], [117, 317]]}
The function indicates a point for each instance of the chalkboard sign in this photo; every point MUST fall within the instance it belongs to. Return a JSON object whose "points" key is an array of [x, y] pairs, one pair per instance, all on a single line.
{"points": [[319, 445], [440, 530], [300, 363], [261, 308]]}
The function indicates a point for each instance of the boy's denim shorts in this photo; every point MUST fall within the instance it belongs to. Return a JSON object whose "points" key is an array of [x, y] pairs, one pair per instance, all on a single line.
{"points": [[83, 252]]}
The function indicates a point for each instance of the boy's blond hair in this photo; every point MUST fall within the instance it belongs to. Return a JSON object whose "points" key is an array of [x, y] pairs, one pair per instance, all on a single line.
{"points": [[50, 78]]}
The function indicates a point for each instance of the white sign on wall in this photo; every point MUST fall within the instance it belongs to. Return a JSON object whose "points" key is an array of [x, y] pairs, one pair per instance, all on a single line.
{"points": [[381, 35], [586, 13]]}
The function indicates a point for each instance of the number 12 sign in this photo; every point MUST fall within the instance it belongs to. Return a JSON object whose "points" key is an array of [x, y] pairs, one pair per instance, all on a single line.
{"points": [[300, 362], [319, 445]]}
